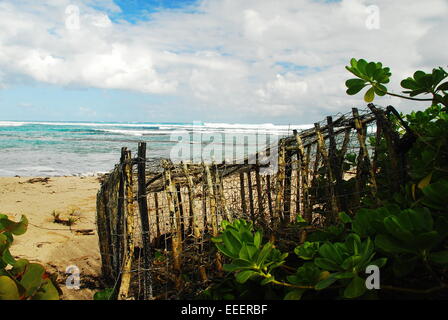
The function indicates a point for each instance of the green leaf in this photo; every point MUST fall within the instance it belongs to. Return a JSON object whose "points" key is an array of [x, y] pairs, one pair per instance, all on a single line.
{"points": [[32, 278], [355, 89], [294, 295], [326, 264], [106, 294], [8, 258], [356, 288], [257, 239], [8, 289], [440, 257], [245, 275], [355, 82], [389, 245], [307, 250], [16, 228], [325, 283], [264, 253], [369, 95], [343, 275], [370, 69], [443, 86], [345, 218], [46, 292], [381, 262]]}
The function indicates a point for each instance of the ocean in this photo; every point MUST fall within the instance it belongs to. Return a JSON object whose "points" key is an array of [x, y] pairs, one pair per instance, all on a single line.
{"points": [[47, 148]]}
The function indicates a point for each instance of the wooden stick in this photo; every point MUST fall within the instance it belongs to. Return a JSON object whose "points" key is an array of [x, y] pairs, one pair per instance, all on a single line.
{"points": [[176, 236], [156, 205], [330, 175], [212, 201], [259, 192], [360, 129], [126, 272], [280, 182], [181, 211], [194, 220], [269, 192], [104, 236], [251, 196], [304, 183], [243, 195], [120, 209], [143, 209], [287, 187]]}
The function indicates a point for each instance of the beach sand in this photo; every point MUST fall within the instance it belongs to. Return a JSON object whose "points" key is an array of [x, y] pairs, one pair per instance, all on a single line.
{"points": [[56, 245]]}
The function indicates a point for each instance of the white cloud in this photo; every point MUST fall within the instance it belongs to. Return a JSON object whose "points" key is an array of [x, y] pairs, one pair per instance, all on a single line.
{"points": [[226, 57]]}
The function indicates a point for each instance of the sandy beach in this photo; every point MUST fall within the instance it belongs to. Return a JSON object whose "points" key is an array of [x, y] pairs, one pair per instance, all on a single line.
{"points": [[56, 245]]}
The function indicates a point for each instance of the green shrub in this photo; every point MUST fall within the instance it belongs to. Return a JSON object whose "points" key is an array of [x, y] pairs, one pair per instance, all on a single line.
{"points": [[20, 279], [404, 233]]}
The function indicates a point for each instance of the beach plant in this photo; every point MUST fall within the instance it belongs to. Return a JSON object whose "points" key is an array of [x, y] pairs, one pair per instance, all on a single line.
{"points": [[404, 232], [21, 279]]}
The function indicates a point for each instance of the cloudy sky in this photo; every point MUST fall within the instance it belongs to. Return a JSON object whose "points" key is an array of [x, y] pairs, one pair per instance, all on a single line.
{"points": [[278, 61]]}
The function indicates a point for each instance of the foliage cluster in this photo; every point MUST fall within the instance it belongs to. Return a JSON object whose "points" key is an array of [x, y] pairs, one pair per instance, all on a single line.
{"points": [[21, 279], [403, 233]]}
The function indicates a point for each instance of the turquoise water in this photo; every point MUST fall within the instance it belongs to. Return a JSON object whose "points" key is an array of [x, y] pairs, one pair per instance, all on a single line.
{"points": [[86, 148]]}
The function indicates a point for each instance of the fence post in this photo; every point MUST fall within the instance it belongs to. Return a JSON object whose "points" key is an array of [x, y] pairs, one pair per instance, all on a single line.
{"points": [[323, 152], [364, 159], [176, 236], [104, 236], [287, 195], [143, 208], [126, 271], [280, 184], [194, 219], [156, 207], [243, 194], [251, 195], [259, 191], [304, 183], [120, 245], [211, 196]]}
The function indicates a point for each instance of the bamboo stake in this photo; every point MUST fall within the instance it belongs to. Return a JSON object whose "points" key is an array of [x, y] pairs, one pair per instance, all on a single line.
{"points": [[287, 186], [176, 236], [243, 194], [323, 152], [120, 209], [336, 165], [181, 211], [126, 273], [194, 220], [360, 129], [143, 208], [259, 191], [156, 205], [221, 197], [280, 183], [269, 192], [212, 201], [103, 236], [109, 229], [304, 162], [251, 196]]}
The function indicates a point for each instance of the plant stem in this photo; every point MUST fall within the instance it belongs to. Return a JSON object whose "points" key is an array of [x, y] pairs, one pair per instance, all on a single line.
{"points": [[285, 284], [404, 97]]}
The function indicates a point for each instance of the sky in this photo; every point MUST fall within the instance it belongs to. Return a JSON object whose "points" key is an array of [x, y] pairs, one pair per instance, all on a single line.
{"points": [[251, 61]]}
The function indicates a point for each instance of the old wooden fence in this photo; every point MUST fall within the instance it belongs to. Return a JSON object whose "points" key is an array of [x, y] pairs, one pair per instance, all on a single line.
{"points": [[155, 219]]}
